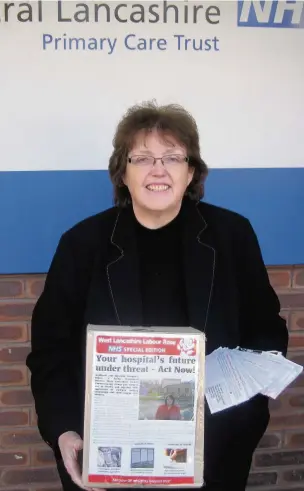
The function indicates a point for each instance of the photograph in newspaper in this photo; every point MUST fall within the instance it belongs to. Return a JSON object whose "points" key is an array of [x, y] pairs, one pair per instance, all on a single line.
{"points": [[109, 457], [142, 409], [167, 399]]}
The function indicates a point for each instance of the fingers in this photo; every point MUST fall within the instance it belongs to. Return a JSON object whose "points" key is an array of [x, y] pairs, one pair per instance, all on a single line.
{"points": [[70, 443], [73, 469]]}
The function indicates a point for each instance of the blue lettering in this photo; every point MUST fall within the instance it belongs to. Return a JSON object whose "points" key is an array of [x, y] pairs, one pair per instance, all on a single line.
{"points": [[162, 44], [127, 41], [47, 39], [192, 44], [271, 13], [179, 40], [208, 45], [144, 44], [215, 41]]}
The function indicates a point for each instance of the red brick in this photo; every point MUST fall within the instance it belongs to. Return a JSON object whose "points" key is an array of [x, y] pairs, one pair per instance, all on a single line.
{"points": [[297, 321], [14, 376], [42, 456], [280, 406], [20, 437], [50, 489], [14, 354], [262, 479], [279, 278], [283, 418], [16, 398], [297, 358], [274, 459], [296, 341], [298, 278], [34, 287], [11, 288], [299, 381], [14, 418], [295, 439], [275, 404], [32, 476], [288, 488], [13, 458], [294, 475], [297, 402], [283, 421], [11, 311], [292, 300], [33, 417], [20, 489], [270, 440], [286, 315], [13, 332]]}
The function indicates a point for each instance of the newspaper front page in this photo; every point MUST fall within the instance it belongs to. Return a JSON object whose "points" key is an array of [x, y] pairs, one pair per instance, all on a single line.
{"points": [[144, 408]]}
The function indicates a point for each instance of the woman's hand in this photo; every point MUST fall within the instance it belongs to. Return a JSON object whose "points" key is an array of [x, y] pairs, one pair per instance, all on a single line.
{"points": [[70, 443]]}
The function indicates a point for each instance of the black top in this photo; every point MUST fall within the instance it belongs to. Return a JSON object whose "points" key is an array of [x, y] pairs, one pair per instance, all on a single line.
{"points": [[161, 274], [93, 280]]}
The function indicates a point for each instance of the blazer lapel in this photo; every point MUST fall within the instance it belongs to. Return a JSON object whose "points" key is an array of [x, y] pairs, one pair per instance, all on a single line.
{"points": [[199, 265], [199, 268], [123, 271]]}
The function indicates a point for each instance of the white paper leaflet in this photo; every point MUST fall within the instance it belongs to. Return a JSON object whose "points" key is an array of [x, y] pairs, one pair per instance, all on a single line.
{"points": [[236, 375]]}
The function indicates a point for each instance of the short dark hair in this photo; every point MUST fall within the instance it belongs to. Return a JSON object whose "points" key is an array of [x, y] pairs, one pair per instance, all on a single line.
{"points": [[170, 119]]}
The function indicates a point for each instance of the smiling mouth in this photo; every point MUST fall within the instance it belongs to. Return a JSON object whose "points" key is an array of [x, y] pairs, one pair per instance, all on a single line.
{"points": [[158, 187]]}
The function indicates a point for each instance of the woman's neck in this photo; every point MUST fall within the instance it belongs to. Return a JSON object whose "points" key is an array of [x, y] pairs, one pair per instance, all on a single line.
{"points": [[155, 219]]}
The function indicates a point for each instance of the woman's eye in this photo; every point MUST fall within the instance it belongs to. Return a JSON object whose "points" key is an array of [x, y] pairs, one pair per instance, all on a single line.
{"points": [[141, 160]]}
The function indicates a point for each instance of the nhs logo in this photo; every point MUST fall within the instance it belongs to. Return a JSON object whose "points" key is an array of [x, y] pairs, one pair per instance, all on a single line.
{"points": [[115, 349], [268, 13]]}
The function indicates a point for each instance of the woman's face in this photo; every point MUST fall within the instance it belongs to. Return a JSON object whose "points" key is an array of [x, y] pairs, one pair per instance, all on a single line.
{"points": [[169, 401], [157, 187]]}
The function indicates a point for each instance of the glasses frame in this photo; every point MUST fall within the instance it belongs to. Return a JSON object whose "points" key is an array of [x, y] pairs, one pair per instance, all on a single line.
{"points": [[154, 159]]}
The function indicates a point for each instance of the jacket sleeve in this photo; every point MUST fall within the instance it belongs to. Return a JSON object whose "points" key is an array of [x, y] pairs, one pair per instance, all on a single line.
{"points": [[261, 325], [54, 360]]}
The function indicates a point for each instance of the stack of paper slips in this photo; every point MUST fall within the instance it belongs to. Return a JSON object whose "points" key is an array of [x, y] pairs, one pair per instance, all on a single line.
{"points": [[236, 375]]}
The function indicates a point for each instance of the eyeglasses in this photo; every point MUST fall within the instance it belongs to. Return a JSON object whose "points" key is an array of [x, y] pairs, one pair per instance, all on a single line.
{"points": [[149, 160]]}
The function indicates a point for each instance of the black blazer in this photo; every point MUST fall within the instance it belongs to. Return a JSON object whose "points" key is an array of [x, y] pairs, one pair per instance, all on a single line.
{"points": [[94, 278]]}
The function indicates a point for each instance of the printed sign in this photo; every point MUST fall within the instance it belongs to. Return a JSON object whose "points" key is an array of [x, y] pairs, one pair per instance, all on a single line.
{"points": [[70, 70], [83, 64]]}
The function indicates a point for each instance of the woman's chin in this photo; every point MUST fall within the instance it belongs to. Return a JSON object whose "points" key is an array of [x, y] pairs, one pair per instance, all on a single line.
{"points": [[159, 200]]}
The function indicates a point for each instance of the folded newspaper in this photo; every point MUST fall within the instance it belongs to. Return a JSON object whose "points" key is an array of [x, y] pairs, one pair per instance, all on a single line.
{"points": [[144, 408], [236, 375]]}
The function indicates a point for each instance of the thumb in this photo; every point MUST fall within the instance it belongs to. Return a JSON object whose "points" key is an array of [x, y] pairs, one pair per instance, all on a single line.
{"points": [[78, 444]]}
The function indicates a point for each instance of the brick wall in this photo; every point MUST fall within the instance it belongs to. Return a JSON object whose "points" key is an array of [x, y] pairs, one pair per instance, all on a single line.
{"points": [[26, 463]]}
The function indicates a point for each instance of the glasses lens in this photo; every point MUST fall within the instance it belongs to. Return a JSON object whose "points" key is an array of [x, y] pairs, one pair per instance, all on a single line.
{"points": [[149, 160], [173, 159], [142, 160]]}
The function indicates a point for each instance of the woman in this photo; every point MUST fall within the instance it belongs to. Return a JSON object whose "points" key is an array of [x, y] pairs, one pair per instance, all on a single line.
{"points": [[169, 410], [160, 256]]}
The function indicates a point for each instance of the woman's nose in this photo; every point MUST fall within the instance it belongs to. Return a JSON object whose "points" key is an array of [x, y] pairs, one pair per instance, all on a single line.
{"points": [[158, 168]]}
